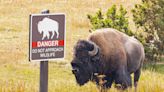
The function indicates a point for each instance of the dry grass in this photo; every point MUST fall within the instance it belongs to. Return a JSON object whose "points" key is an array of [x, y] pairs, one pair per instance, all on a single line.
{"points": [[19, 75], [25, 79], [14, 20]]}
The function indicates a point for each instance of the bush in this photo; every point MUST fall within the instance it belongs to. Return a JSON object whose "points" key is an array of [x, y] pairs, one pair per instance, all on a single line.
{"points": [[112, 19], [148, 17]]}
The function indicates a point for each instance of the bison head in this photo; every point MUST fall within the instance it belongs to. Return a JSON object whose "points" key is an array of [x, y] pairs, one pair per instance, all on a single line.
{"points": [[83, 65]]}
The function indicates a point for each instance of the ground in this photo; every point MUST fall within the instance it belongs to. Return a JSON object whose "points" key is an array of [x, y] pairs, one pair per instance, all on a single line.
{"points": [[17, 74]]}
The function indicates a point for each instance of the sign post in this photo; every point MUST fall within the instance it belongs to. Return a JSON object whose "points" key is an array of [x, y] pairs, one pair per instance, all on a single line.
{"points": [[43, 76], [44, 70], [47, 39]]}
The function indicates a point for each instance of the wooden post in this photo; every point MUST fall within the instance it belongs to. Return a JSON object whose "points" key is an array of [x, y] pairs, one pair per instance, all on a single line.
{"points": [[44, 70]]}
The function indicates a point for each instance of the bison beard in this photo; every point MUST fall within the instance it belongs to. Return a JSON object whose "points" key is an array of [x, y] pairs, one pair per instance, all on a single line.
{"points": [[111, 53]]}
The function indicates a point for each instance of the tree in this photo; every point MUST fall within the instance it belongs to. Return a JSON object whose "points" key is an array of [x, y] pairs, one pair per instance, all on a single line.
{"points": [[148, 17], [113, 18]]}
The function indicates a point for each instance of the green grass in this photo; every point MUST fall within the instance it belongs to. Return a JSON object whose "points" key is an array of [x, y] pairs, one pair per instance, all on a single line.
{"points": [[162, 59], [160, 68]]}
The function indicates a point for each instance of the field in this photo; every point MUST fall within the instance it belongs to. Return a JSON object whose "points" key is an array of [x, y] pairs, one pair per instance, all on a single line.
{"points": [[17, 74]]}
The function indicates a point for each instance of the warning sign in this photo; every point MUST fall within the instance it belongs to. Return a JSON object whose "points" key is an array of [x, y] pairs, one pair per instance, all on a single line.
{"points": [[47, 36]]}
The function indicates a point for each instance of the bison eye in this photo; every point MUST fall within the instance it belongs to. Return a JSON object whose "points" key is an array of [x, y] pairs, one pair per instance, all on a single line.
{"points": [[75, 71], [74, 64]]}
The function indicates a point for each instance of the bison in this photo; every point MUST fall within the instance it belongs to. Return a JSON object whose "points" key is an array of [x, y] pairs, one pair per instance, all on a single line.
{"points": [[111, 53], [48, 25]]}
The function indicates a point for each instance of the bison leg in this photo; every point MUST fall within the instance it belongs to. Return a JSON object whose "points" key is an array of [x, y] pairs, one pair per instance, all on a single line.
{"points": [[44, 35], [123, 78], [136, 78], [52, 34], [105, 82], [109, 82], [57, 34], [47, 34]]}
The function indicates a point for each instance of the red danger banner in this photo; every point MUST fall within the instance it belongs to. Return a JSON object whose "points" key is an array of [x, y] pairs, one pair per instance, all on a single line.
{"points": [[48, 43]]}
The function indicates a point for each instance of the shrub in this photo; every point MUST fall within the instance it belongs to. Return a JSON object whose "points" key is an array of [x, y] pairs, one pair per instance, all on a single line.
{"points": [[112, 19], [148, 17]]}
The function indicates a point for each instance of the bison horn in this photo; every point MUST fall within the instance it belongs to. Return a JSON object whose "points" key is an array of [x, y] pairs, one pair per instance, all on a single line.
{"points": [[94, 51]]}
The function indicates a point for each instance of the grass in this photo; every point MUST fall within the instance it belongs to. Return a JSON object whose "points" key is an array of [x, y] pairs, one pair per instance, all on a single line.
{"points": [[19, 75], [156, 68], [26, 79]]}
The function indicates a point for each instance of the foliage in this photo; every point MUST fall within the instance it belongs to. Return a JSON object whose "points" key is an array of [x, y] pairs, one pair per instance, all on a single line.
{"points": [[148, 16], [113, 18]]}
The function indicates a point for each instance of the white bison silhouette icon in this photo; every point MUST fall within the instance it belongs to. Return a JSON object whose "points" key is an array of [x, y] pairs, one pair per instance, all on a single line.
{"points": [[46, 26]]}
